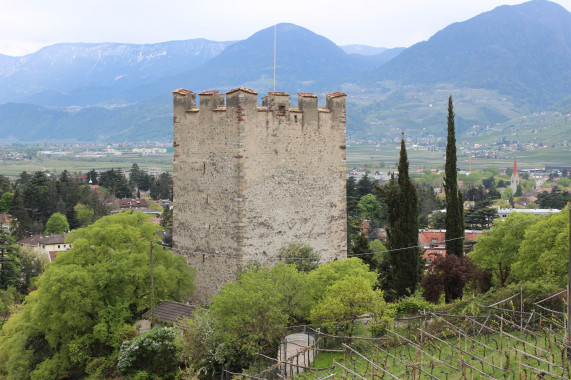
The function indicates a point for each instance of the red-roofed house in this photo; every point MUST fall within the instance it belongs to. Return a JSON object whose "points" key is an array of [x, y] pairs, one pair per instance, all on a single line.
{"points": [[129, 203], [434, 242]]}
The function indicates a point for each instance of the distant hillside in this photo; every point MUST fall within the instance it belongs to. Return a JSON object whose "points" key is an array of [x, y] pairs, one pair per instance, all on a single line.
{"points": [[80, 74], [375, 60], [523, 51], [139, 122]]}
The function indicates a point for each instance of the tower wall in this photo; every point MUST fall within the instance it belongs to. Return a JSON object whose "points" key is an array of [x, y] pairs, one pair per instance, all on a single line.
{"points": [[249, 180]]}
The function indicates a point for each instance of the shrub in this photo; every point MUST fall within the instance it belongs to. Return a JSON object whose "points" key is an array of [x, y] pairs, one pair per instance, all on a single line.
{"points": [[149, 355]]}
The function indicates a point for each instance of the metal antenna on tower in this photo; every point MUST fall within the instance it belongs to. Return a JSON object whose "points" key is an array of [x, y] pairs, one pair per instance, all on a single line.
{"points": [[275, 36]]}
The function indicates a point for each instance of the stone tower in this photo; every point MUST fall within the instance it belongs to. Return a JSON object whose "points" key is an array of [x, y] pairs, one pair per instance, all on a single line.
{"points": [[515, 178], [250, 179]]}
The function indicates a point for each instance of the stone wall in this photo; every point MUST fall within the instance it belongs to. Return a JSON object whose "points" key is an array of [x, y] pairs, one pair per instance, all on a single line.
{"points": [[249, 179]]}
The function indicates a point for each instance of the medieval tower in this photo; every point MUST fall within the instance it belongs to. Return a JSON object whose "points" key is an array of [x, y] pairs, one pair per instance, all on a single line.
{"points": [[249, 180]]}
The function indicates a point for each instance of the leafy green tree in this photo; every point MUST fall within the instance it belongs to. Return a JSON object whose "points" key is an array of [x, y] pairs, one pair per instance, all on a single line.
{"points": [[153, 354], [489, 183], [31, 266], [6, 202], [454, 206], [85, 216], [253, 310], [507, 194], [199, 342], [9, 263], [364, 186], [373, 210], [333, 271], [21, 222], [301, 255], [402, 229], [87, 299], [544, 251], [345, 301], [57, 224], [497, 250]]}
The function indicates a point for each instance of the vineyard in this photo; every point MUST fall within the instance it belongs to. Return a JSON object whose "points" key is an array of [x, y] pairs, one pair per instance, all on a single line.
{"points": [[504, 340]]}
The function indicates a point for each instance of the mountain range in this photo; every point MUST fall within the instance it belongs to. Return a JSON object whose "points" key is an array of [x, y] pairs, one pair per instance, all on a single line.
{"points": [[518, 54]]}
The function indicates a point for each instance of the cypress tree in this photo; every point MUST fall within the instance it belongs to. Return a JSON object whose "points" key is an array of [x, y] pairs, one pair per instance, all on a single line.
{"points": [[454, 208], [402, 230]]}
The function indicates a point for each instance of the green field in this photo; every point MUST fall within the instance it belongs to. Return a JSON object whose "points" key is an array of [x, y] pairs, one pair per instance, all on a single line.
{"points": [[371, 157], [12, 169]]}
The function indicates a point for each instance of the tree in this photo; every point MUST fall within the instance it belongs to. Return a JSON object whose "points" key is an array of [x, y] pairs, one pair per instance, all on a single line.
{"points": [[151, 354], [360, 248], [253, 310], [6, 202], [352, 196], [497, 250], [31, 266], [57, 224], [9, 263], [333, 271], [454, 206], [345, 301], [373, 210], [364, 186], [21, 222], [480, 216], [92, 177], [301, 255], [402, 230], [87, 299], [544, 251], [199, 342], [489, 183], [447, 274]]}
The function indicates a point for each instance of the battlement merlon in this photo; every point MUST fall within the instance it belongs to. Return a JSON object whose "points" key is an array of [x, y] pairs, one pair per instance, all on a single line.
{"points": [[210, 100], [184, 99], [336, 103]]}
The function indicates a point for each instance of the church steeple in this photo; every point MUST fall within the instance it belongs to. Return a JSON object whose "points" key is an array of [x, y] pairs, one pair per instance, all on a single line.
{"points": [[515, 166]]}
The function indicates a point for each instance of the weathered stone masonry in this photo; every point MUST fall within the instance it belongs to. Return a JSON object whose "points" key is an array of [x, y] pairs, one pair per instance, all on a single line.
{"points": [[249, 179]]}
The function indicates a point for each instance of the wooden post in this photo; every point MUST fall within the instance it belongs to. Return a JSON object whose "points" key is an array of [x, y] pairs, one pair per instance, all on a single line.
{"points": [[501, 343]]}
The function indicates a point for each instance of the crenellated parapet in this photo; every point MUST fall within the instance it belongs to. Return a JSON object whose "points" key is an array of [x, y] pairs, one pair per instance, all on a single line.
{"points": [[276, 103]]}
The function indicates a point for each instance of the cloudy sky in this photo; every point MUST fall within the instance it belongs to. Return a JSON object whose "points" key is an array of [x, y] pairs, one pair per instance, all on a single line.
{"points": [[27, 25]]}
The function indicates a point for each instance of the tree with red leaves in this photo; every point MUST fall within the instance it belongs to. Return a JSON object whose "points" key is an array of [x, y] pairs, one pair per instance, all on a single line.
{"points": [[449, 275]]}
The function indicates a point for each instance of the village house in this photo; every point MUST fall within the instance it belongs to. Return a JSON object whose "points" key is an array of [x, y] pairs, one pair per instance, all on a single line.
{"points": [[48, 245]]}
